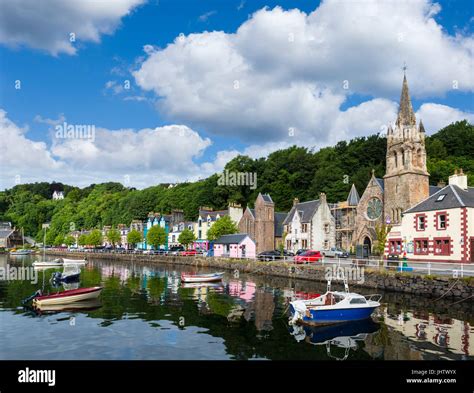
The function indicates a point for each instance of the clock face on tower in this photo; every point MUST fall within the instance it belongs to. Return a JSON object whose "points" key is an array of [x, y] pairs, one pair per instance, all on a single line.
{"points": [[374, 208]]}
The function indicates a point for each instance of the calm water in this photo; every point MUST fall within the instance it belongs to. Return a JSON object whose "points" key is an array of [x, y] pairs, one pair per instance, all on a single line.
{"points": [[144, 312]]}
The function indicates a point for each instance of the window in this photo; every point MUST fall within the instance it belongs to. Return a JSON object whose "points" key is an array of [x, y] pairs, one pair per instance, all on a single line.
{"points": [[200, 222], [440, 198], [304, 228], [358, 301], [421, 247], [441, 221], [442, 246], [326, 244], [420, 223], [395, 246], [326, 229], [304, 243]]}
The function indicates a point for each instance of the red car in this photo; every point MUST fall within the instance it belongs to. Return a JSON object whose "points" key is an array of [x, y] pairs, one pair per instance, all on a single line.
{"points": [[188, 253], [309, 256]]}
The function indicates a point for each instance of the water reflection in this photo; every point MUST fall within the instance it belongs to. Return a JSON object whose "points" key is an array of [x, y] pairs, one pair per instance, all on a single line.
{"points": [[145, 312]]}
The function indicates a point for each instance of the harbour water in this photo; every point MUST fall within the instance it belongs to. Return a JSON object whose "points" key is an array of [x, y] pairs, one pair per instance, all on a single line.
{"points": [[144, 312]]}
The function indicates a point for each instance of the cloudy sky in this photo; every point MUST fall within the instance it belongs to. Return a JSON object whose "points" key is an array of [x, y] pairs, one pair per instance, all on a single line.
{"points": [[172, 90]]}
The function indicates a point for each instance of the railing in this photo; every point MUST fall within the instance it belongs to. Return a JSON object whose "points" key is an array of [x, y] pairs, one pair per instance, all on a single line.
{"points": [[455, 269]]}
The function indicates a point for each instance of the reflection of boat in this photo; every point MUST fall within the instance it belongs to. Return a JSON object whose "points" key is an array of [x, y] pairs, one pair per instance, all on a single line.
{"points": [[201, 285], [85, 305], [48, 264], [333, 307], [23, 251], [69, 296], [345, 335], [67, 261], [189, 278]]}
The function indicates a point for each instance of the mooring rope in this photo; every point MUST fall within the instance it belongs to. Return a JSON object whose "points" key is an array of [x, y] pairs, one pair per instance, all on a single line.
{"points": [[449, 290], [459, 301]]}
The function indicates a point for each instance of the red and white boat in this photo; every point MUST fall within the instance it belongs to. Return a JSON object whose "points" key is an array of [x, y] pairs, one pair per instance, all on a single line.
{"points": [[69, 296], [186, 277]]}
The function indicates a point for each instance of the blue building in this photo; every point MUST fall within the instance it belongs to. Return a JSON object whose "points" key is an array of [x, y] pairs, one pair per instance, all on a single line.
{"points": [[164, 221]]}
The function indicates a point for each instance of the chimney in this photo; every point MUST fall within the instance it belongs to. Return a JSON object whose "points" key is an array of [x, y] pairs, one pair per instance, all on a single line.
{"points": [[441, 183], [458, 179], [322, 198], [295, 201]]}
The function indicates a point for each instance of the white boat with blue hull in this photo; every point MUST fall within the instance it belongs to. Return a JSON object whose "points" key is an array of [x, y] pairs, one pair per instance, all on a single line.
{"points": [[334, 307]]}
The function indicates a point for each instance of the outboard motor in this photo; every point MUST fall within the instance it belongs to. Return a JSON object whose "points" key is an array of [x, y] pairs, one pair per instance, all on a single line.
{"points": [[29, 298]]}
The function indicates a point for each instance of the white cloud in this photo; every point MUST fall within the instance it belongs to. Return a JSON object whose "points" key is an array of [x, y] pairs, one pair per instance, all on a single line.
{"points": [[437, 116], [48, 24], [286, 69], [143, 157]]}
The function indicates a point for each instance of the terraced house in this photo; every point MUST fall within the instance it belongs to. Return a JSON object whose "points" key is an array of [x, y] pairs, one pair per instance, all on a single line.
{"points": [[440, 228], [310, 225]]}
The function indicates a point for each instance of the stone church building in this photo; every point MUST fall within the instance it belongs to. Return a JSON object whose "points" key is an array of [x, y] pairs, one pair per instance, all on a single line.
{"points": [[406, 183]]}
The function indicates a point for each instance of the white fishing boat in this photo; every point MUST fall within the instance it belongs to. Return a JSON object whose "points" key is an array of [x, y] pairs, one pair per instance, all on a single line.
{"points": [[23, 251], [67, 261], [193, 278], [48, 264]]}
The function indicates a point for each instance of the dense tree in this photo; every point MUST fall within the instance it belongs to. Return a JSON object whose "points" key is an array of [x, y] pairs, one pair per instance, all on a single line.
{"points": [[223, 226], [94, 238], [134, 237], [113, 236], [186, 237], [156, 236], [82, 240]]}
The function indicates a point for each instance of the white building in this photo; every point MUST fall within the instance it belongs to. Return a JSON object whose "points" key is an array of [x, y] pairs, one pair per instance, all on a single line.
{"points": [[57, 195], [176, 230], [310, 225], [439, 228]]}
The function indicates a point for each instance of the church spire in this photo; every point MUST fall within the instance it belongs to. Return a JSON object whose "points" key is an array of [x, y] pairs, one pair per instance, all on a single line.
{"points": [[406, 116]]}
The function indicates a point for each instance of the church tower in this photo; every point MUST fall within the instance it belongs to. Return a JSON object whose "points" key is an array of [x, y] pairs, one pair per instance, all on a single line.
{"points": [[406, 181]]}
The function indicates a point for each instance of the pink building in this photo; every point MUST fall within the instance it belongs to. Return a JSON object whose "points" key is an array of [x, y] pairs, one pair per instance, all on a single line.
{"points": [[239, 245]]}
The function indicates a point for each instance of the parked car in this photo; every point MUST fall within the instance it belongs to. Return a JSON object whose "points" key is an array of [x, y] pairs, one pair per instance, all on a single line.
{"points": [[301, 251], [269, 255], [188, 253], [175, 250], [310, 256], [335, 252]]}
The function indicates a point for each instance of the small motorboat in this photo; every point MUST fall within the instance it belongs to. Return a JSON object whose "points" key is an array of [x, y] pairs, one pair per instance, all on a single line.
{"points": [[333, 307], [65, 297], [49, 264], [23, 251], [70, 274], [193, 278], [67, 261], [85, 305]]}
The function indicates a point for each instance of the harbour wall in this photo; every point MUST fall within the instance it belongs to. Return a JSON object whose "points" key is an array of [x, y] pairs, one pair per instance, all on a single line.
{"points": [[384, 279]]}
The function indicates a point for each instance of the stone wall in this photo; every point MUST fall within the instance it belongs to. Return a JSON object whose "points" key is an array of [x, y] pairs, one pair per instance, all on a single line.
{"points": [[430, 286]]}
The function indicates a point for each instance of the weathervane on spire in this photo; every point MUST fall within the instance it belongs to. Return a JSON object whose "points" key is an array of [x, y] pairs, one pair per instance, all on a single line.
{"points": [[404, 67]]}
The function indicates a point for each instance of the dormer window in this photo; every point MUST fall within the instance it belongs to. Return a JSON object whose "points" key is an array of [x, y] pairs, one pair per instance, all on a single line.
{"points": [[440, 198]]}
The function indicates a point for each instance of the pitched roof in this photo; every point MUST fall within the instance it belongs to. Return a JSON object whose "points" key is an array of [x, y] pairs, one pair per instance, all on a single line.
{"points": [[305, 210], [236, 238], [406, 115], [454, 197], [267, 198], [279, 219], [434, 189], [381, 183], [353, 197]]}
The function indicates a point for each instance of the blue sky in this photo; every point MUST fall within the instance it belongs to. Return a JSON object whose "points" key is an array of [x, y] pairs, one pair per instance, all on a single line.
{"points": [[288, 58]]}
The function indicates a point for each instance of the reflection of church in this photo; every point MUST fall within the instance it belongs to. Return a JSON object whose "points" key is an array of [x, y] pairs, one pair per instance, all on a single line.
{"points": [[406, 182]]}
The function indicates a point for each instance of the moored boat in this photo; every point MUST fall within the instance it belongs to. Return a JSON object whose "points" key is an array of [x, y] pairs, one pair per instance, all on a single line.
{"points": [[67, 261], [194, 278], [334, 307], [49, 264], [69, 296], [23, 251]]}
